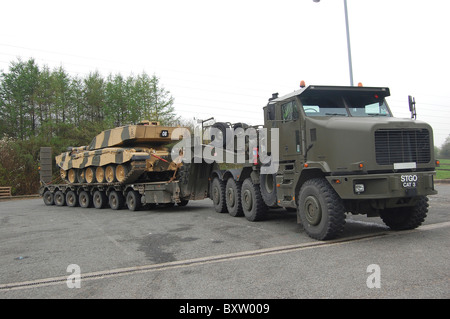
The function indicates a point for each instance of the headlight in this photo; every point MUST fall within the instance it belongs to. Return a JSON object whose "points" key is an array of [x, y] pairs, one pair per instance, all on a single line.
{"points": [[359, 188]]}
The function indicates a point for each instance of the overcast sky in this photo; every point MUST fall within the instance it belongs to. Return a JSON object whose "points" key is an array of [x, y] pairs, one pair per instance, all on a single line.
{"points": [[226, 58]]}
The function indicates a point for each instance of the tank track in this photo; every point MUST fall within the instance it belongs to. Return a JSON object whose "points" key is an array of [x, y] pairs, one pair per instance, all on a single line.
{"points": [[137, 169]]}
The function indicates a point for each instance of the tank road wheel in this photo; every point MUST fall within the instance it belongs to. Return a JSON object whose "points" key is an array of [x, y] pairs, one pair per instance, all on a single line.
{"points": [[89, 174], [321, 210], [134, 200], [100, 174], [121, 172], [110, 173], [99, 199], [63, 174], [116, 200], [71, 199], [218, 195], [233, 198], [85, 199], [48, 198], [60, 199], [252, 203], [81, 175], [404, 218], [72, 176]]}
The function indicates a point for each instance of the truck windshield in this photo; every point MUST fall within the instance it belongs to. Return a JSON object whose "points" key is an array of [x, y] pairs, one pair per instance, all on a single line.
{"points": [[323, 106], [345, 105], [367, 106]]}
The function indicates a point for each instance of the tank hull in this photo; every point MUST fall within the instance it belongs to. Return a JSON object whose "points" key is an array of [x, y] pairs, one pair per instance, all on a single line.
{"points": [[123, 154]]}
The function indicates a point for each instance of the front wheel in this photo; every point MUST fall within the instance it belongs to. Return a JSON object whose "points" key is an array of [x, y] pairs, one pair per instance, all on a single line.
{"points": [[321, 210], [404, 218]]}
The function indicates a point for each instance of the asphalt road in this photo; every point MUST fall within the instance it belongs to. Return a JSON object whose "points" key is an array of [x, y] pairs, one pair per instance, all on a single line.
{"points": [[193, 252]]}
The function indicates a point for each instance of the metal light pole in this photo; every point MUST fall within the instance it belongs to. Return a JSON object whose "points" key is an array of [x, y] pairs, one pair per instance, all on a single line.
{"points": [[348, 42]]}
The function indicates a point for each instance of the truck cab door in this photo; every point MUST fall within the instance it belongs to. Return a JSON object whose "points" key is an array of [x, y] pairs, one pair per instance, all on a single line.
{"points": [[290, 132]]}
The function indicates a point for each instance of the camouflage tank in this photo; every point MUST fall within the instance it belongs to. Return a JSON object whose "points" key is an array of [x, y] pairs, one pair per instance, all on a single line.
{"points": [[121, 155]]}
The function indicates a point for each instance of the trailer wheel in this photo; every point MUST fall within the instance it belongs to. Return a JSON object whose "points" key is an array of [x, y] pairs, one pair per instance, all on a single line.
{"points": [[218, 195], [134, 200], [233, 198], [321, 210], [252, 203], [48, 198], [60, 199], [404, 218], [85, 199], [183, 202], [99, 199], [71, 199], [116, 200]]}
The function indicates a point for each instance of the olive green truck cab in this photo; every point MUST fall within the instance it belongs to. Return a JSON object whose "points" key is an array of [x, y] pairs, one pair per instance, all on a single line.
{"points": [[342, 151]]}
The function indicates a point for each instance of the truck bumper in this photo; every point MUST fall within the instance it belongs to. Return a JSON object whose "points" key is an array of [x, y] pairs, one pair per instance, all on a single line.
{"points": [[384, 186]]}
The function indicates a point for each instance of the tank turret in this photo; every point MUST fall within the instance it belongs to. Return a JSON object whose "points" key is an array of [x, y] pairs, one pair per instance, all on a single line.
{"points": [[123, 154]]}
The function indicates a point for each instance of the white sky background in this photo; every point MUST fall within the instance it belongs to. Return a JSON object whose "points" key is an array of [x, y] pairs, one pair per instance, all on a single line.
{"points": [[226, 58]]}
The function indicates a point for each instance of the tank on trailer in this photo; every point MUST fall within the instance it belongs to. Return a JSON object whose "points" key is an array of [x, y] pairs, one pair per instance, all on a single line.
{"points": [[123, 154]]}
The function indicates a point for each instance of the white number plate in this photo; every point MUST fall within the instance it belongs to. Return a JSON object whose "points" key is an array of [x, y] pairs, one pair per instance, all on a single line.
{"points": [[409, 180]]}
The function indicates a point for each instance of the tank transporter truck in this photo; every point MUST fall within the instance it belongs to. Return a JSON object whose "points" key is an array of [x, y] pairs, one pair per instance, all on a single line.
{"points": [[323, 152]]}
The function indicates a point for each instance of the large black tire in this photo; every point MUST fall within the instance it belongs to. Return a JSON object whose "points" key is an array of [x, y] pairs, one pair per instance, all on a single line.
{"points": [[253, 205], [404, 218], [218, 195], [321, 210], [267, 184], [48, 198], [183, 202], [85, 199], [116, 200], [134, 201], [99, 199], [71, 199], [60, 198], [233, 198]]}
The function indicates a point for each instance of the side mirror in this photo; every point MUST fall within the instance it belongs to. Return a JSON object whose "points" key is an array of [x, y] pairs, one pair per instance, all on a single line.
{"points": [[412, 106]]}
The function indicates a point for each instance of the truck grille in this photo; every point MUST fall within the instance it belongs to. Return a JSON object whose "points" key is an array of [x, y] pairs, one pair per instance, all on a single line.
{"points": [[402, 146]]}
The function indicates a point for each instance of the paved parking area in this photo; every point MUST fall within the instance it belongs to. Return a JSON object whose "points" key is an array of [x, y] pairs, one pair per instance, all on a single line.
{"points": [[194, 252]]}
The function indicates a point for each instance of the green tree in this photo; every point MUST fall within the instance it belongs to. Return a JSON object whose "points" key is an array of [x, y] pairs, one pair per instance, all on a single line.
{"points": [[94, 96], [17, 93], [155, 102], [445, 149]]}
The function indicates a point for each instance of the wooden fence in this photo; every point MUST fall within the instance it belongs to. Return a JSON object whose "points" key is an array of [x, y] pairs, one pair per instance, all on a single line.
{"points": [[5, 192]]}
